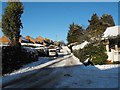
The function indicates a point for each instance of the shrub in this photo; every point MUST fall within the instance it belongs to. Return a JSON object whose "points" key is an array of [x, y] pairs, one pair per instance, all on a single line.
{"points": [[10, 59], [13, 58], [97, 53], [42, 53], [28, 55]]}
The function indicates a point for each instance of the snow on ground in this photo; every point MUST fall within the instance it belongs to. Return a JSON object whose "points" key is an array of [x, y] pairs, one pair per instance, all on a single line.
{"points": [[80, 46], [100, 76], [25, 70], [79, 76], [29, 68], [66, 50], [74, 76]]}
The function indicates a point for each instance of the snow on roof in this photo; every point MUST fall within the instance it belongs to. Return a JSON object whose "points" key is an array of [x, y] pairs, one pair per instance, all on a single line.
{"points": [[80, 46], [39, 45], [111, 31]]}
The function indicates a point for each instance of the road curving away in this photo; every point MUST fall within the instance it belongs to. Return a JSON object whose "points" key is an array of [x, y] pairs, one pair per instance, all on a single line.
{"points": [[68, 72]]}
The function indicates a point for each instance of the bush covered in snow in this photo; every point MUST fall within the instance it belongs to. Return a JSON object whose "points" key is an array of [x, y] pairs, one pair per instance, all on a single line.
{"points": [[28, 55], [42, 53], [13, 58], [97, 53]]}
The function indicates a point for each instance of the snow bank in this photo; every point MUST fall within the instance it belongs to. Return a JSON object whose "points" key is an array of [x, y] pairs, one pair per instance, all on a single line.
{"points": [[26, 70], [31, 66], [104, 67], [80, 46], [66, 50], [76, 59]]}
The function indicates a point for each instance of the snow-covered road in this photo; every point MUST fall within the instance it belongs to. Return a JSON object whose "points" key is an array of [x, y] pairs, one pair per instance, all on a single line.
{"points": [[64, 72]]}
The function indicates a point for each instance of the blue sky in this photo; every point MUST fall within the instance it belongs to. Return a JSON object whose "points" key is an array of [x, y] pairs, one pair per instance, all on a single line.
{"points": [[51, 20]]}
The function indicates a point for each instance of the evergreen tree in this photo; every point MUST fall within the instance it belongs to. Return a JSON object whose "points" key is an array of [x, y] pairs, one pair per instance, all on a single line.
{"points": [[94, 28], [107, 19], [93, 22], [0, 24], [97, 25], [75, 33], [11, 22]]}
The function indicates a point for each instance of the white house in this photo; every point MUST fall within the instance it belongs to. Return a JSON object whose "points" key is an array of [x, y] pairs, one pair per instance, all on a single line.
{"points": [[112, 43]]}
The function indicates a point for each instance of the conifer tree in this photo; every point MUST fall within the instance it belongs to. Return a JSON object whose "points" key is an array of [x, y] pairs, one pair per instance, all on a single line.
{"points": [[11, 22], [94, 22], [97, 25], [0, 25], [107, 19], [74, 34]]}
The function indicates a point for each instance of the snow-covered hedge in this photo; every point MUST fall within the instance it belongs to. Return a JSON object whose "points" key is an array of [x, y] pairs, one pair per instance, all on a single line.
{"points": [[28, 55], [13, 58], [30, 50], [10, 59]]}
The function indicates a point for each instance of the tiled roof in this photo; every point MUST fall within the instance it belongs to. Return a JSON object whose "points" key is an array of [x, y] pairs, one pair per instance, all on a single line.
{"points": [[40, 39], [4, 39]]}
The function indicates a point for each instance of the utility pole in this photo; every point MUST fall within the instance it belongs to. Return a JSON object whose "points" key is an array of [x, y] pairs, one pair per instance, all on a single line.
{"points": [[56, 37]]}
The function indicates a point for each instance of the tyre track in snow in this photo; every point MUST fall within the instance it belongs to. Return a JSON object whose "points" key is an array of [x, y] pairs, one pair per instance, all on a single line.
{"points": [[46, 77], [27, 80]]}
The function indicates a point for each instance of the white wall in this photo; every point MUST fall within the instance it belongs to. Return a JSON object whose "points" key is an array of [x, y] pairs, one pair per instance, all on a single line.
{"points": [[116, 56], [113, 55], [110, 56]]}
